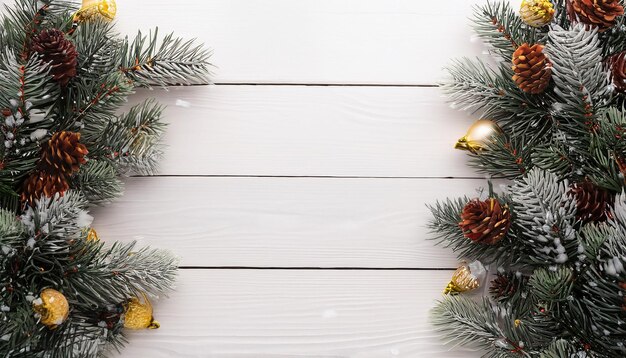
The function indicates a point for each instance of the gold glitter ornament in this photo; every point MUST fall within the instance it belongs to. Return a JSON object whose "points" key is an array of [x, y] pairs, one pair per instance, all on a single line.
{"points": [[479, 135], [92, 235], [52, 306], [537, 13], [465, 278], [105, 9], [138, 314]]}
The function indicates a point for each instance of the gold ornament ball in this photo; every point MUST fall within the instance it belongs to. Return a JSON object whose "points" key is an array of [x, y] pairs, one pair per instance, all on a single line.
{"points": [[52, 306], [138, 314], [479, 135], [92, 235], [105, 9], [537, 13], [463, 280]]}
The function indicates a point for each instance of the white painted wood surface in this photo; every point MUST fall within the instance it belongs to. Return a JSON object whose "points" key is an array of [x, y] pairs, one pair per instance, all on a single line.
{"points": [[304, 314], [287, 175], [284, 222], [312, 131], [316, 41]]}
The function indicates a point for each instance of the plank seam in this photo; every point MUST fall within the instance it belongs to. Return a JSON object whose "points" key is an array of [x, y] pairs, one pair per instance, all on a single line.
{"points": [[295, 84], [278, 84], [302, 176], [304, 268]]}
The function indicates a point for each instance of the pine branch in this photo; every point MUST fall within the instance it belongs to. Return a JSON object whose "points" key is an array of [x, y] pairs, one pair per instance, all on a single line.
{"points": [[97, 181], [466, 322], [581, 81], [504, 157], [120, 272], [476, 88], [562, 348], [499, 26], [173, 62], [131, 142]]}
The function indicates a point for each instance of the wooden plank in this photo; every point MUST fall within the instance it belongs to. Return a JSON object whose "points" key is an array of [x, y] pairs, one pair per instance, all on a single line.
{"points": [[316, 41], [281, 314], [312, 131], [284, 222]]}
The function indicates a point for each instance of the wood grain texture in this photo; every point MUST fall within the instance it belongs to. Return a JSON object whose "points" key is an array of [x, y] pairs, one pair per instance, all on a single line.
{"points": [[284, 222], [316, 41], [288, 314], [312, 131]]}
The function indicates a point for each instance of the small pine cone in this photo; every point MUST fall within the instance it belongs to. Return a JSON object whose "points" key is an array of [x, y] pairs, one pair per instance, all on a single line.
{"points": [[41, 184], [63, 154], [599, 13], [618, 71], [485, 222], [57, 51], [593, 204], [532, 68], [503, 286]]}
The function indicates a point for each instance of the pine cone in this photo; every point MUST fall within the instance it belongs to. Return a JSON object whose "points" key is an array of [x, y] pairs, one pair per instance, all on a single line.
{"points": [[593, 204], [61, 157], [600, 13], [618, 71], [41, 184], [59, 52], [503, 286], [532, 68], [63, 154], [485, 222]]}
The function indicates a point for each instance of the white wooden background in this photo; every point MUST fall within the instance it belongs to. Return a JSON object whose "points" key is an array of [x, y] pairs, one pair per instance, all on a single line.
{"points": [[294, 189]]}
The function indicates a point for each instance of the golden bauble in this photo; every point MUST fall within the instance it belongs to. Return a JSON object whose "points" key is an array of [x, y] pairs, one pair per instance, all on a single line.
{"points": [[138, 314], [537, 13], [464, 279], [92, 235], [105, 9], [52, 306], [479, 135]]}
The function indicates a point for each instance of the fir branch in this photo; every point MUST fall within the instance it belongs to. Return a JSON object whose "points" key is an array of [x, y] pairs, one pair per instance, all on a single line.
{"points": [[121, 272], [562, 348], [544, 217], [131, 142], [97, 181], [466, 322], [580, 78], [499, 26], [476, 88], [97, 47], [173, 62], [504, 157]]}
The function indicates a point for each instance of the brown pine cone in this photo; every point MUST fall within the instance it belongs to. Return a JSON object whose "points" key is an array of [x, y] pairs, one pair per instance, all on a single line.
{"points": [[63, 154], [502, 286], [57, 51], [600, 13], [485, 222], [593, 204], [41, 184], [532, 68], [618, 71]]}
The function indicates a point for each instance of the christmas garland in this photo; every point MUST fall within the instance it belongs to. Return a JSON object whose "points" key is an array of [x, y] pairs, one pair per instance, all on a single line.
{"points": [[65, 75], [552, 120]]}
